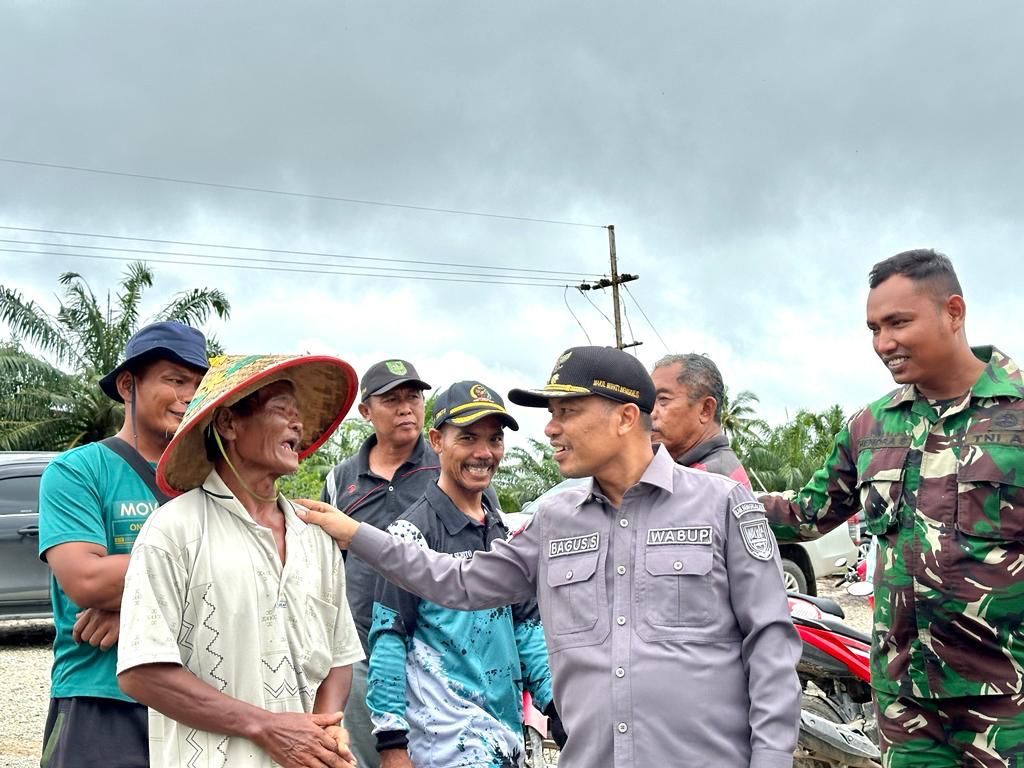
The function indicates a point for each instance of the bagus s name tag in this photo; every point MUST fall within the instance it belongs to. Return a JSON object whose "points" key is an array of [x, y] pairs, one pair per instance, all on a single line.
{"points": [[574, 545]]}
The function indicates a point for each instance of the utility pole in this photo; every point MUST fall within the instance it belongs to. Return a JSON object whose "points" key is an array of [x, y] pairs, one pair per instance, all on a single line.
{"points": [[614, 283]]}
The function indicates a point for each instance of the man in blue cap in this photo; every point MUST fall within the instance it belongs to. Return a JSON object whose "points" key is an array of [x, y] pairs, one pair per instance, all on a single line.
{"points": [[93, 500]]}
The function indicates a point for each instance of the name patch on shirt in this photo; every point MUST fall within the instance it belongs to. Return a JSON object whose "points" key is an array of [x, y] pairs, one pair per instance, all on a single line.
{"points": [[464, 555], [883, 441], [574, 545], [995, 438], [758, 539], [747, 506], [691, 534]]}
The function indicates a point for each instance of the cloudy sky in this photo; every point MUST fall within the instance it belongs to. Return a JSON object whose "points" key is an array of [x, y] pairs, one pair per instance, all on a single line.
{"points": [[755, 158]]}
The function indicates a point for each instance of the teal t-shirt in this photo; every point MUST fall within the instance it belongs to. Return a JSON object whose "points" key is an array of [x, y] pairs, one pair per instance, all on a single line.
{"points": [[88, 494]]}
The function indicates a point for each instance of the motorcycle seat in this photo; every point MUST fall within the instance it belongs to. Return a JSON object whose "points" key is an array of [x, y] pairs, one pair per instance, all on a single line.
{"points": [[842, 629], [827, 604]]}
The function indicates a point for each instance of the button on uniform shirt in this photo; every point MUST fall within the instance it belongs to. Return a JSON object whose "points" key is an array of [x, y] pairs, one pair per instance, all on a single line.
{"points": [[942, 488], [448, 684], [205, 588], [667, 624]]}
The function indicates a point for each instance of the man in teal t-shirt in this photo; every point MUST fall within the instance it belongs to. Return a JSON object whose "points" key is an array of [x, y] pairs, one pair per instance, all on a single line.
{"points": [[92, 504]]}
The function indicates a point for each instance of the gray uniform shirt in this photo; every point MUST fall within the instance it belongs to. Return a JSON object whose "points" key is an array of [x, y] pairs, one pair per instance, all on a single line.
{"points": [[666, 620]]}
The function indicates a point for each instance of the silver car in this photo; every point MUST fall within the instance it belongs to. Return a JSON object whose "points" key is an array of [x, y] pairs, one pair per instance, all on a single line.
{"points": [[24, 578]]}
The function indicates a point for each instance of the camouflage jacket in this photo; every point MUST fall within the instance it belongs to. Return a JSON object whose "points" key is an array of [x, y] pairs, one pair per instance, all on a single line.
{"points": [[943, 490]]}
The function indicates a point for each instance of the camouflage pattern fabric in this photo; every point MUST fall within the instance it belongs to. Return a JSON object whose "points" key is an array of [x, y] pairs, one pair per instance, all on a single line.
{"points": [[942, 486], [985, 731]]}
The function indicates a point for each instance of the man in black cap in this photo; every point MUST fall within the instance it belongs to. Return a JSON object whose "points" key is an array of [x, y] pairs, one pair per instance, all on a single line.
{"points": [[93, 500], [446, 686], [392, 469], [655, 582]]}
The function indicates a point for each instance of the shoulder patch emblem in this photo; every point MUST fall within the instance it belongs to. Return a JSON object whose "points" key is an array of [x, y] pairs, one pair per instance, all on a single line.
{"points": [[574, 545], [747, 506], [758, 538]]}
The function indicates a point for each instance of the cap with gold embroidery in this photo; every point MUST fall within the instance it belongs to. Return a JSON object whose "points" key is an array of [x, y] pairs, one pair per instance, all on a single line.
{"points": [[582, 371], [466, 402]]}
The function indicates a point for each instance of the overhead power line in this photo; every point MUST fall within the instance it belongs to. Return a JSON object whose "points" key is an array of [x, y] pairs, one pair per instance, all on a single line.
{"points": [[283, 251], [288, 193], [370, 270], [565, 298], [647, 319], [248, 267]]}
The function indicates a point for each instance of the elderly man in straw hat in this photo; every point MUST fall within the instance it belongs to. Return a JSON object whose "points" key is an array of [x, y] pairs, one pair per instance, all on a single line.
{"points": [[235, 629]]}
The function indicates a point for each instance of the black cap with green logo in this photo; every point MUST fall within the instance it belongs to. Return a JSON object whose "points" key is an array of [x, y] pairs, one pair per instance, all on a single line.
{"points": [[384, 376]]}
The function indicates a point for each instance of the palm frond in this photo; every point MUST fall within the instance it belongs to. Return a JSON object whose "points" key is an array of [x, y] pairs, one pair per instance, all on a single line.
{"points": [[194, 307]]}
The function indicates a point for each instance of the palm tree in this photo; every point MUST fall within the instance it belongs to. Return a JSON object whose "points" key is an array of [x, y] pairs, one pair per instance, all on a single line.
{"points": [[739, 423], [526, 474], [790, 453], [54, 402]]}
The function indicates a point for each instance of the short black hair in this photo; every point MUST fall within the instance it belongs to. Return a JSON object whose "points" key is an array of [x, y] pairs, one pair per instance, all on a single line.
{"points": [[922, 265], [700, 376]]}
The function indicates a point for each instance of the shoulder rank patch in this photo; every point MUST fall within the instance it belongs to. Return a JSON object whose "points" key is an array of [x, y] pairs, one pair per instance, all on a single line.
{"points": [[757, 538], [691, 534], [747, 506], [574, 545]]}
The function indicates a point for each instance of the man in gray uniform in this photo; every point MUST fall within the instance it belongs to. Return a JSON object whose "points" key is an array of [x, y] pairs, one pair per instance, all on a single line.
{"points": [[659, 587]]}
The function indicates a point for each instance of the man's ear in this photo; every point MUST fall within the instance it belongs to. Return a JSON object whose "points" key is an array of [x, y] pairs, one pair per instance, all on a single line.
{"points": [[434, 435], [224, 423], [708, 406], [956, 311], [629, 417], [125, 383], [364, 411]]}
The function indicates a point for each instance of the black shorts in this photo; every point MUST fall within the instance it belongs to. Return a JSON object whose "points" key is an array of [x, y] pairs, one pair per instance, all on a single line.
{"points": [[86, 732]]}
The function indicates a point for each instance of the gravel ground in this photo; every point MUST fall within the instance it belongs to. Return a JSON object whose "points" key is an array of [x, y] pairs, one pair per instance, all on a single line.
{"points": [[25, 671]]}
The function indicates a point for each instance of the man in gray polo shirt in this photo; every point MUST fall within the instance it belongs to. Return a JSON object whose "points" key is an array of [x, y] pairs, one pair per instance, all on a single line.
{"points": [[659, 587]]}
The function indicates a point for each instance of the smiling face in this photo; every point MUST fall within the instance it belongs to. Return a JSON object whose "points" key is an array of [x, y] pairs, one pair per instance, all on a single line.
{"points": [[263, 436], [914, 333], [396, 416], [584, 433], [162, 391], [469, 455]]}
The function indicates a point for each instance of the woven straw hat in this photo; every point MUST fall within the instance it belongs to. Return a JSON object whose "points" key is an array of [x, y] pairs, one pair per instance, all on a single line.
{"points": [[324, 387]]}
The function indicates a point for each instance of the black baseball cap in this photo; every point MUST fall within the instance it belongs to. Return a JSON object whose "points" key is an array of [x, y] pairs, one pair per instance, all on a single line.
{"points": [[466, 402], [604, 371], [166, 340], [386, 375]]}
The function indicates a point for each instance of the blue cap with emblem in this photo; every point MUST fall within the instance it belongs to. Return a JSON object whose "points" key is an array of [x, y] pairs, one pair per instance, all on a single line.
{"points": [[466, 402]]}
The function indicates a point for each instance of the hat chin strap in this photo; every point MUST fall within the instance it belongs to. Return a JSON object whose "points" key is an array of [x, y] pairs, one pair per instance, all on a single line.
{"points": [[238, 477]]}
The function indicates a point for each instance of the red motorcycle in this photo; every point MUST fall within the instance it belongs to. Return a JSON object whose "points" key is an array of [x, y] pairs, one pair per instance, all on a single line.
{"points": [[837, 721]]}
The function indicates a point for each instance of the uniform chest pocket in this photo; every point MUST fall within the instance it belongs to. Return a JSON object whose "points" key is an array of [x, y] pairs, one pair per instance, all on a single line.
{"points": [[880, 497], [989, 500], [676, 585], [574, 593]]}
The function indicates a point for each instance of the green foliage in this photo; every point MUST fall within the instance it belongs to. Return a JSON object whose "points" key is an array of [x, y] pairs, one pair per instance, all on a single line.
{"points": [[525, 474], [790, 453], [739, 422], [308, 482], [53, 401]]}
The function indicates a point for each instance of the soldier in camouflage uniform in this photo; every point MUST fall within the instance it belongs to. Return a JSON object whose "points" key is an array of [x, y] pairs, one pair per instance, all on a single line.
{"points": [[938, 468]]}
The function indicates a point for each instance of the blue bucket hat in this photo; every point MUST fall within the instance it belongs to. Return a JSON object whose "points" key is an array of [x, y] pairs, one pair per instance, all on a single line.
{"points": [[166, 340]]}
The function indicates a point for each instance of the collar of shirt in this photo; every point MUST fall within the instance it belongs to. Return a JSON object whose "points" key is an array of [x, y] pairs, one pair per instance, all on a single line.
{"points": [[702, 450], [1001, 378], [421, 454], [222, 496], [453, 518], [658, 474]]}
